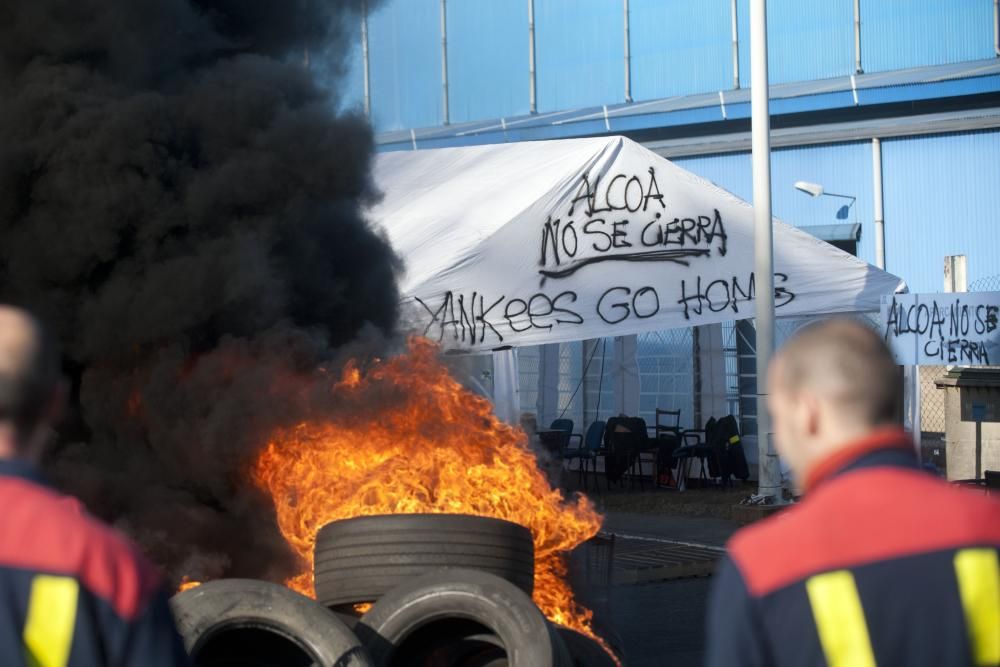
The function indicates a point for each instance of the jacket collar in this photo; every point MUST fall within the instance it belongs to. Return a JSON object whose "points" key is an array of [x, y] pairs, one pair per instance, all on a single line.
{"points": [[888, 438]]}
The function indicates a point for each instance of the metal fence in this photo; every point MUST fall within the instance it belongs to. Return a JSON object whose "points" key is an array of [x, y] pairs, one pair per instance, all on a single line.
{"points": [[666, 374], [932, 412], [529, 369], [987, 284]]}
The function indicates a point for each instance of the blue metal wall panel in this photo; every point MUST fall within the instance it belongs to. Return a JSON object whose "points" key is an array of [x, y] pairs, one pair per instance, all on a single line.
{"points": [[580, 53], [941, 198], [897, 34], [805, 41], [730, 171], [487, 59], [350, 86], [841, 168], [404, 39], [680, 47]]}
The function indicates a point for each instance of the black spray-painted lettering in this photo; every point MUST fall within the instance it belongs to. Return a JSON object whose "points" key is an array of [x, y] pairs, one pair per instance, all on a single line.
{"points": [[947, 327], [703, 230], [619, 303], [624, 192], [718, 295], [472, 323]]}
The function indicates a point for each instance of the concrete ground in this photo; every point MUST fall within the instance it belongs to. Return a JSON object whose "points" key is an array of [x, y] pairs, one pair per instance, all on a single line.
{"points": [[657, 623]]}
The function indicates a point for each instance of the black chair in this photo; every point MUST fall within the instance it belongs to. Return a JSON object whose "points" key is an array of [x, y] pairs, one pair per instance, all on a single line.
{"points": [[627, 441], [694, 446], [558, 436], [668, 435], [589, 449]]}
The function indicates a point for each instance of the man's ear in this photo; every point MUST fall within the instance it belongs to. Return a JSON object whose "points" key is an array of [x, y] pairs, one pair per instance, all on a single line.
{"points": [[811, 414]]}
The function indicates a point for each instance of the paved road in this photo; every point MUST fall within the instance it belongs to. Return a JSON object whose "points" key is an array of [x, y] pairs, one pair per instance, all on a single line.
{"points": [[658, 624]]}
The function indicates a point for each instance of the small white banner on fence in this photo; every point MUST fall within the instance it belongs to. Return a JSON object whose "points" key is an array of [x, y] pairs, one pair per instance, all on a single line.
{"points": [[949, 328]]}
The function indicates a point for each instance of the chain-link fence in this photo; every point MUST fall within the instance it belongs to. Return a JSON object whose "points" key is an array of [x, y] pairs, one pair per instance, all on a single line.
{"points": [[529, 368], [932, 411], [666, 374], [987, 284]]}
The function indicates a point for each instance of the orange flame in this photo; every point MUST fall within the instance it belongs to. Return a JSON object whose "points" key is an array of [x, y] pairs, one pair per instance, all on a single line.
{"points": [[187, 584], [413, 440]]}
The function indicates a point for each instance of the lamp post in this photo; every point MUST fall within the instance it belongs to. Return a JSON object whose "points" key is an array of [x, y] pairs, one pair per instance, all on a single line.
{"points": [[817, 190]]}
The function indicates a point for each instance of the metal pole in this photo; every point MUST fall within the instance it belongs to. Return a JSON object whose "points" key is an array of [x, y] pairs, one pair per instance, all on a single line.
{"points": [[444, 61], [857, 37], [532, 101], [736, 48], [877, 189], [364, 56], [628, 57], [769, 480], [996, 27]]}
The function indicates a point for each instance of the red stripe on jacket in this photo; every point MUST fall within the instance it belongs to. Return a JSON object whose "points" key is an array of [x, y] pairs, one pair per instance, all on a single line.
{"points": [[863, 516], [47, 532]]}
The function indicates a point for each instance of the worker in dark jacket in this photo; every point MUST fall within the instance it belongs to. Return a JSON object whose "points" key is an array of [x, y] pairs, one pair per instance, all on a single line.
{"points": [[73, 593], [881, 563]]}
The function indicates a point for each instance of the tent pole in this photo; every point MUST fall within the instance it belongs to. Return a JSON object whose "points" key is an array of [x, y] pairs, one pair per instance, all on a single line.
{"points": [[769, 479]]}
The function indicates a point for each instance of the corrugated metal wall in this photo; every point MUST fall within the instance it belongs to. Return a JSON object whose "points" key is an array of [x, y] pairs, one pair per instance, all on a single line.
{"points": [[840, 168], [487, 59], [910, 33], [405, 56], [351, 88], [942, 197], [805, 40], [678, 47], [580, 46]]}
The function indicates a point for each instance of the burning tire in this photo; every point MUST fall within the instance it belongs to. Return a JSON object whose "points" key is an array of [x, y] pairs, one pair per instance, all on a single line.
{"points": [[460, 618], [584, 651], [362, 559], [250, 623]]}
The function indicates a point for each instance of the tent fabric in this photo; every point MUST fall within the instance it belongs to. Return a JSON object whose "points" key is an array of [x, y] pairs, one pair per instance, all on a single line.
{"points": [[556, 241], [506, 398]]}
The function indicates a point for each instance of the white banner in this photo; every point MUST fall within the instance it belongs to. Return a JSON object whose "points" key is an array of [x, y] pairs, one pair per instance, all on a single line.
{"points": [[937, 329], [545, 242]]}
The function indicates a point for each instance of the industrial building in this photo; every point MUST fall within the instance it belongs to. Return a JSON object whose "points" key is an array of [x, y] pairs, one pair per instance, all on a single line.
{"points": [[891, 106]]}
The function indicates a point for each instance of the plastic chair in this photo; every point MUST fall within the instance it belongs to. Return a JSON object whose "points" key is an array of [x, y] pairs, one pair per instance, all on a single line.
{"points": [[558, 436], [587, 452]]}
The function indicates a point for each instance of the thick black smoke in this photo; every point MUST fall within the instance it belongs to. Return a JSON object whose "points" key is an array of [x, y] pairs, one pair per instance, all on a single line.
{"points": [[181, 203]]}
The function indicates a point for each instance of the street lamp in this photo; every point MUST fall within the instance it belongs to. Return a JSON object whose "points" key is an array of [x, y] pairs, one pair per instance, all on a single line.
{"points": [[816, 190]]}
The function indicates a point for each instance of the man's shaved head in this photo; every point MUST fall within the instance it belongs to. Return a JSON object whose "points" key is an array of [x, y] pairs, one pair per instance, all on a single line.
{"points": [[29, 370], [846, 363], [832, 383]]}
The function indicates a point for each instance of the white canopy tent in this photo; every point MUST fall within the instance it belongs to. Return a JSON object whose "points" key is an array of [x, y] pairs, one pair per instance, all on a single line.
{"points": [[549, 242]]}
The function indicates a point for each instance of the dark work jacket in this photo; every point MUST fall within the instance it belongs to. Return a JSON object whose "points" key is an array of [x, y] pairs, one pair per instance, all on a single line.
{"points": [[880, 564], [73, 593]]}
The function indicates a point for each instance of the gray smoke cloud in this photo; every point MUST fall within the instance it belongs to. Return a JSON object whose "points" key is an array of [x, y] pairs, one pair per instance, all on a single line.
{"points": [[182, 204]]}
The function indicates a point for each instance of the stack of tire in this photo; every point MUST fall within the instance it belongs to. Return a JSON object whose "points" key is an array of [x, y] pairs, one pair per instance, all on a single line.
{"points": [[444, 590]]}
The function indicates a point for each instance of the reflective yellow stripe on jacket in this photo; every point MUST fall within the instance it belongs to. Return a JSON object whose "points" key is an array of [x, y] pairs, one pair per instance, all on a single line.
{"points": [[978, 573], [840, 620], [48, 631]]}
